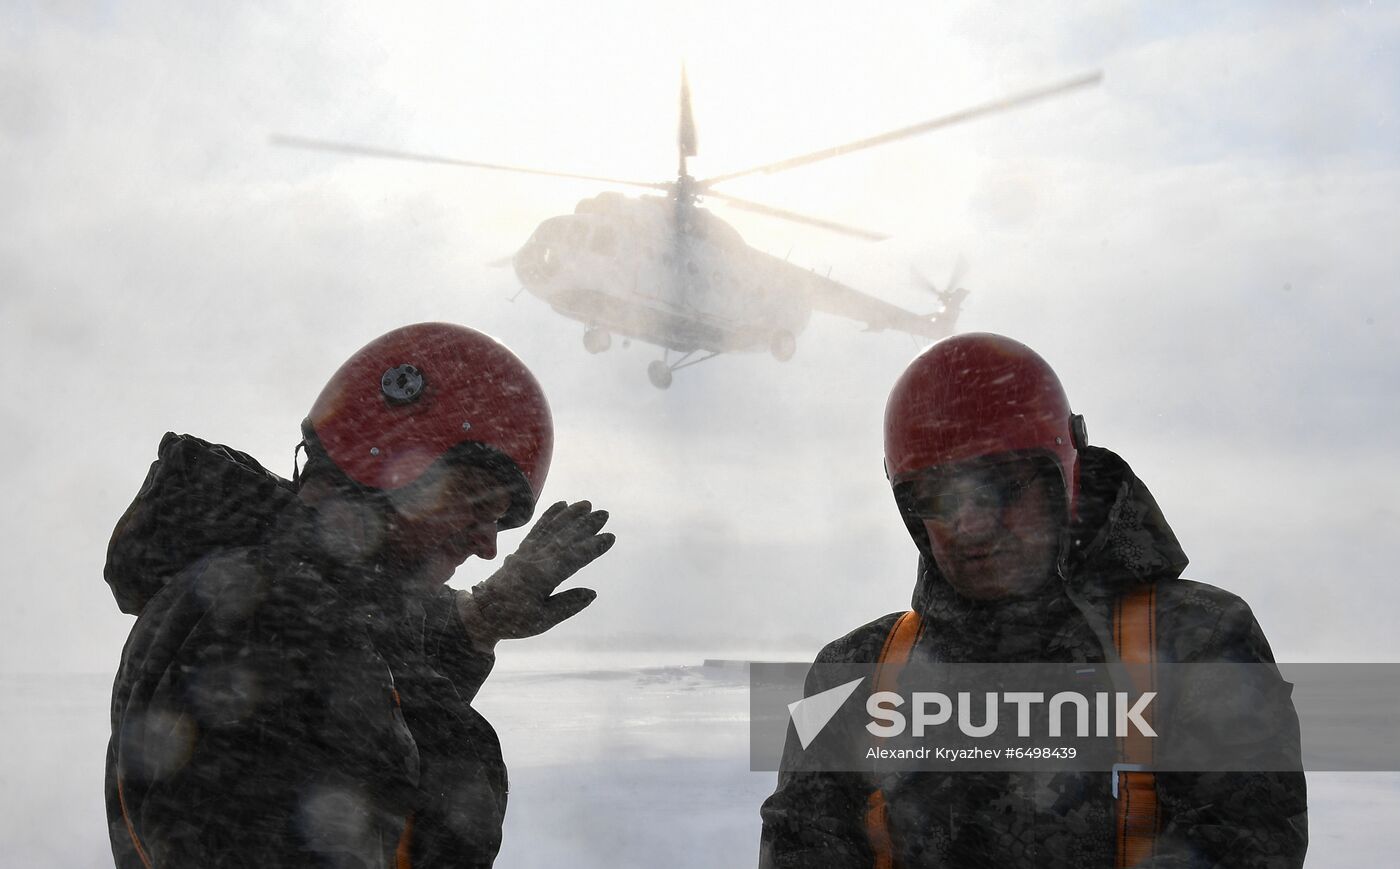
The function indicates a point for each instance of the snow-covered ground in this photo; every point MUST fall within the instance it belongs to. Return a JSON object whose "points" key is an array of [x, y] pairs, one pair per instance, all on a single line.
{"points": [[614, 762]]}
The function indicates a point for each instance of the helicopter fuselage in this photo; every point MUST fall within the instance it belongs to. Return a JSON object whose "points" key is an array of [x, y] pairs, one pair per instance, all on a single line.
{"points": [[662, 270], [665, 272]]}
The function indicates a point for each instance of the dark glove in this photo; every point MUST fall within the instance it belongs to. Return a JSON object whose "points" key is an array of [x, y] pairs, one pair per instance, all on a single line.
{"points": [[518, 600]]}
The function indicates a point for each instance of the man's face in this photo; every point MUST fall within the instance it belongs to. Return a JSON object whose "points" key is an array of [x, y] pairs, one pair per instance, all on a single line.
{"points": [[445, 518], [994, 526]]}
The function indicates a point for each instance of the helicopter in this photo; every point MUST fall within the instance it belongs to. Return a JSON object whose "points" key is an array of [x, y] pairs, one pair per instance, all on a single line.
{"points": [[663, 270]]}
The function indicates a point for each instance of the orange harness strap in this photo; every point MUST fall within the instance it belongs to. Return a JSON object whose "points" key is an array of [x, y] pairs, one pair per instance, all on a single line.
{"points": [[403, 854], [1138, 813], [877, 829], [899, 645], [130, 830], [1139, 816]]}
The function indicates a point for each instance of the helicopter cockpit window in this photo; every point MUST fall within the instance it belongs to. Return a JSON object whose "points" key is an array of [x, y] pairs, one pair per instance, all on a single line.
{"points": [[604, 240], [552, 230], [603, 203], [573, 234]]}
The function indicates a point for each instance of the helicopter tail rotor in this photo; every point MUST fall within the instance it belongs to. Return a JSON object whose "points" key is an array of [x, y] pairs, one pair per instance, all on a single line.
{"points": [[951, 296]]}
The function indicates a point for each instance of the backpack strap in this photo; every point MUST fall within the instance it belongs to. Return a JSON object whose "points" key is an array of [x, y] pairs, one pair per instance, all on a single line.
{"points": [[1138, 814], [898, 647]]}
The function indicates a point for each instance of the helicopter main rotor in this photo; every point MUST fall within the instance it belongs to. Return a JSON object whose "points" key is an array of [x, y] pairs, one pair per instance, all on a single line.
{"points": [[686, 190]]}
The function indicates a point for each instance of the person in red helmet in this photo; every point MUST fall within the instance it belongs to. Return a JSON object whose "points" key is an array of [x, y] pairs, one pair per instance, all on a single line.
{"points": [[297, 687], [1035, 547]]}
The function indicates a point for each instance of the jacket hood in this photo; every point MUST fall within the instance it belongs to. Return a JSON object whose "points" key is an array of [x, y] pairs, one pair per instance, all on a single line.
{"points": [[197, 498], [1121, 537]]}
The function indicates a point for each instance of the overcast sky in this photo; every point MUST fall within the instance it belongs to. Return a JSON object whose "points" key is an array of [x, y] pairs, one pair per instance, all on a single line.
{"points": [[1205, 247]]}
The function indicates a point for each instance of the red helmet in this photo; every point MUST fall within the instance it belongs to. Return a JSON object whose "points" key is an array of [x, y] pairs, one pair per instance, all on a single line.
{"points": [[977, 395], [412, 395]]}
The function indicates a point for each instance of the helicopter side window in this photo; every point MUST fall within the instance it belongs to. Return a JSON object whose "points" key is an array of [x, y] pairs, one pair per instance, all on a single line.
{"points": [[604, 241]]}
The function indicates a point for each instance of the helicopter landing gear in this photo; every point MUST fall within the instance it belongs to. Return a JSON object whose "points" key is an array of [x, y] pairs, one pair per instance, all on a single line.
{"points": [[660, 374], [783, 345], [596, 340], [662, 370]]}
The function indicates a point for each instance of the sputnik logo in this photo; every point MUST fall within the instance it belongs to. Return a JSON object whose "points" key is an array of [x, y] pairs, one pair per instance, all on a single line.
{"points": [[811, 714]]}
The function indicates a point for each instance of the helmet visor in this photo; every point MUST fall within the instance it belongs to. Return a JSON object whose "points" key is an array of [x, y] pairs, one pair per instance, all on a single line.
{"points": [[994, 484]]}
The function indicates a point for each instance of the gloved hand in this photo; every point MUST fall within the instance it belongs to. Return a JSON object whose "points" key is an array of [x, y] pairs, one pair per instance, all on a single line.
{"points": [[518, 600]]}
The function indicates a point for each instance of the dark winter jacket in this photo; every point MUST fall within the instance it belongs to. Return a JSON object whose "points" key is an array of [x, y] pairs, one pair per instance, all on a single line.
{"points": [[273, 706], [1056, 819]]}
